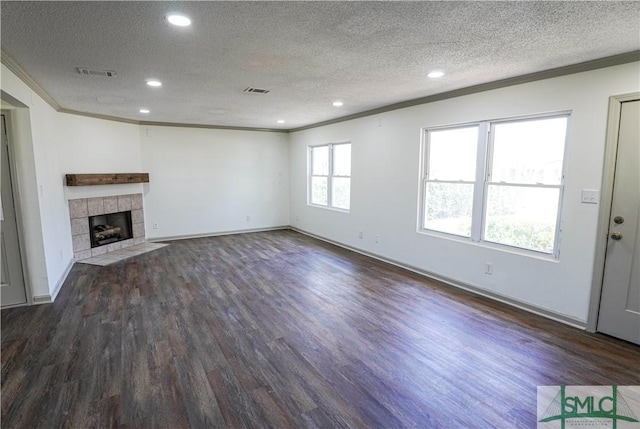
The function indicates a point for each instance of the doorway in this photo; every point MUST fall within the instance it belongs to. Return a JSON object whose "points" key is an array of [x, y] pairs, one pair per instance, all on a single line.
{"points": [[619, 306], [12, 286]]}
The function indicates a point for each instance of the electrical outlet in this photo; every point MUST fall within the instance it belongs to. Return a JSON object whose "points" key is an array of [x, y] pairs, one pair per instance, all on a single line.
{"points": [[361, 235], [377, 239], [248, 218], [156, 225], [488, 268]]}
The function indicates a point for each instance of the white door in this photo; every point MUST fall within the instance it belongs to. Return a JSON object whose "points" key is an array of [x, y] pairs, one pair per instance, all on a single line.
{"points": [[12, 290], [620, 302]]}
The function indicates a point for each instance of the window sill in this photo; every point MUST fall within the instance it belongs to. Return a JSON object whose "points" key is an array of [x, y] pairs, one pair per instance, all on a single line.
{"points": [[335, 209], [493, 246]]}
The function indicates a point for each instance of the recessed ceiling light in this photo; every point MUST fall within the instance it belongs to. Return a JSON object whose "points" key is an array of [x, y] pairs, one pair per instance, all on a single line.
{"points": [[154, 83], [281, 121], [337, 104], [179, 20], [435, 74], [144, 110]]}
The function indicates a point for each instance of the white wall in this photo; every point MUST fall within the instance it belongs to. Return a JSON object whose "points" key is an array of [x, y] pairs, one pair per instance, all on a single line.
{"points": [[385, 158], [47, 237], [97, 146], [205, 181]]}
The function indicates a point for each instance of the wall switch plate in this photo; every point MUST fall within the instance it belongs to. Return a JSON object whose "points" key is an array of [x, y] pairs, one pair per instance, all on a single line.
{"points": [[361, 234], [590, 196]]}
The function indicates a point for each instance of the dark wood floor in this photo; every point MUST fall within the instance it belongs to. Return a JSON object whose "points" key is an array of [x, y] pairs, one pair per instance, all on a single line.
{"points": [[279, 330]]}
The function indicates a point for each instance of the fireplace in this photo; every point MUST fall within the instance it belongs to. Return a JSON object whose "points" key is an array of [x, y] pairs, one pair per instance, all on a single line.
{"points": [[90, 215], [109, 228]]}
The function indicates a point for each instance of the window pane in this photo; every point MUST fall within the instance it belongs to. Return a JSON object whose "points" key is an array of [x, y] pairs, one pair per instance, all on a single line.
{"points": [[452, 154], [448, 207], [320, 160], [342, 160], [522, 217], [529, 151], [341, 193], [319, 190]]}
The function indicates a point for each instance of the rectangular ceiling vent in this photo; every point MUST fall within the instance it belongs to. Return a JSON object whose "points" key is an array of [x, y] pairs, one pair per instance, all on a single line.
{"points": [[257, 90], [86, 72]]}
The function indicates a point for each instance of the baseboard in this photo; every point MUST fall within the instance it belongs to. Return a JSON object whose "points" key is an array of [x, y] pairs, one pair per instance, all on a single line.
{"points": [[549, 314], [22, 304], [49, 298], [62, 279], [41, 299], [215, 234]]}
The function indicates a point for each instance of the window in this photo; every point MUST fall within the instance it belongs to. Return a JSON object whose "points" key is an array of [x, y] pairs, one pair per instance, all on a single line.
{"points": [[497, 181], [450, 180], [330, 175]]}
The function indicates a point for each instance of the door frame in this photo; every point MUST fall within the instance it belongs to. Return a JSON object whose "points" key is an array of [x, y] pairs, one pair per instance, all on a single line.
{"points": [[17, 207], [606, 199]]}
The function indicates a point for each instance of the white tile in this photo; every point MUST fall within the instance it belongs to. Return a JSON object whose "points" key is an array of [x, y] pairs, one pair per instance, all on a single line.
{"points": [[136, 201], [80, 226], [137, 216], [110, 204], [138, 230], [124, 203], [95, 206], [85, 254], [78, 208], [126, 243], [113, 246], [122, 254], [81, 242], [97, 251]]}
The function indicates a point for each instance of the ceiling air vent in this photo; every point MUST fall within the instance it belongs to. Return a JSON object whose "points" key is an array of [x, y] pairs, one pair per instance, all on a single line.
{"points": [[257, 90], [87, 72]]}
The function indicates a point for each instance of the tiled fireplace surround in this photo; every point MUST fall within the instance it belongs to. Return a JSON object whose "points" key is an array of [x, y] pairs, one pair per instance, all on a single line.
{"points": [[79, 211]]}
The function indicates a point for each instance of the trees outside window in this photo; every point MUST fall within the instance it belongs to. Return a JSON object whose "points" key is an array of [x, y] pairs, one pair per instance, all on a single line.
{"points": [[330, 176], [496, 181]]}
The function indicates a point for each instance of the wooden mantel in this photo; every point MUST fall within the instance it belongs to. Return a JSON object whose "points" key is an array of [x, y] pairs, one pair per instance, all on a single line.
{"points": [[106, 179]]}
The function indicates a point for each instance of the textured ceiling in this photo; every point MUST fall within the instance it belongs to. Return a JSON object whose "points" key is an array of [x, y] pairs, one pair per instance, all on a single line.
{"points": [[368, 54]]}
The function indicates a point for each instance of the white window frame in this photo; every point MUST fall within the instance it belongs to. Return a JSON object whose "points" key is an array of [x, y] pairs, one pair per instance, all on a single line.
{"points": [[484, 159], [329, 177]]}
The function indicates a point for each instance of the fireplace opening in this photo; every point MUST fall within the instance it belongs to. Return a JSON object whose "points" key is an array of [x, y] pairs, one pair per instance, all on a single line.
{"points": [[109, 228]]}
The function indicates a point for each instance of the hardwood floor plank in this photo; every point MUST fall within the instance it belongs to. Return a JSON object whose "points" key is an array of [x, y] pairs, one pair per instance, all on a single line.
{"points": [[276, 329], [199, 398], [104, 414], [276, 415], [236, 406], [29, 411]]}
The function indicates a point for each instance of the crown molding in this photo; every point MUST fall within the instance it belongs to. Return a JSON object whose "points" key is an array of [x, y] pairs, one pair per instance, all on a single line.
{"points": [[98, 116], [16, 69], [611, 61], [600, 63], [28, 80], [211, 127]]}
